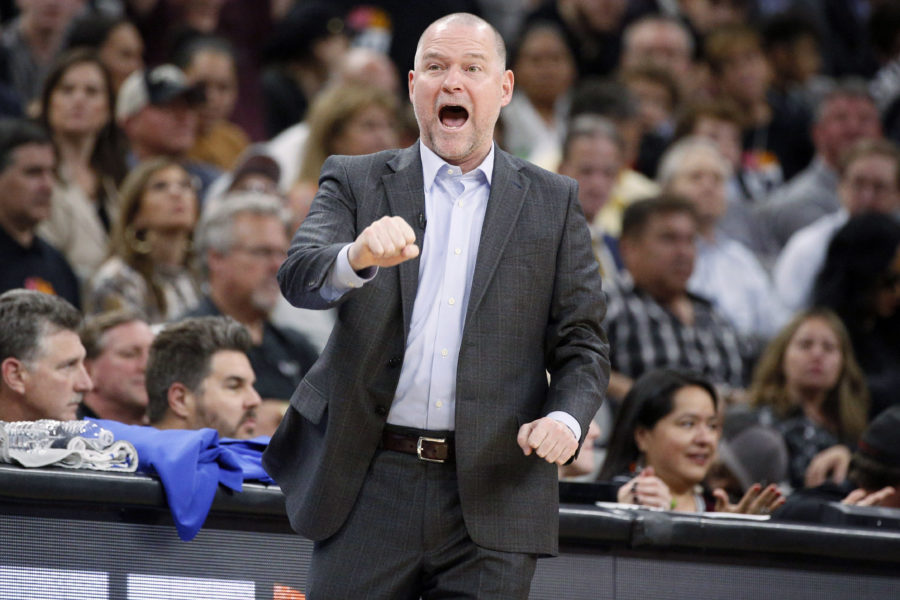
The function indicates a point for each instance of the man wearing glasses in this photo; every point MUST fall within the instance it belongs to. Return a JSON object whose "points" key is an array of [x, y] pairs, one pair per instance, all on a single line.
{"points": [[240, 245]]}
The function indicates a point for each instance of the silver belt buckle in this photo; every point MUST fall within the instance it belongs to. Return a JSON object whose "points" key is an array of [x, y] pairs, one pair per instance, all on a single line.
{"points": [[422, 438]]}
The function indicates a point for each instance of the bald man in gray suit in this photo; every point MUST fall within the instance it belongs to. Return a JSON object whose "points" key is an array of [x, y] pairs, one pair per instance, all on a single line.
{"points": [[420, 451]]}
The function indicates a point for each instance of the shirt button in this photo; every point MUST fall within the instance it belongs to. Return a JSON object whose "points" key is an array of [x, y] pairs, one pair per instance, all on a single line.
{"points": [[439, 404], [451, 301], [444, 352], [457, 251], [462, 203], [449, 171]]}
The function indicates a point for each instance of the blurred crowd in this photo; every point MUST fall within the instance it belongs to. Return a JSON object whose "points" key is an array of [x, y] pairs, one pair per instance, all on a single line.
{"points": [[737, 163]]}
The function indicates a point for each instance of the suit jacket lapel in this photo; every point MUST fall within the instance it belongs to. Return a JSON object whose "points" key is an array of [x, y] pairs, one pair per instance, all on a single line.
{"points": [[406, 198], [508, 190]]}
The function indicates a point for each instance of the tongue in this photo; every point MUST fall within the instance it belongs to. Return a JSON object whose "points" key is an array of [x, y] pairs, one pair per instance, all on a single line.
{"points": [[454, 117]]}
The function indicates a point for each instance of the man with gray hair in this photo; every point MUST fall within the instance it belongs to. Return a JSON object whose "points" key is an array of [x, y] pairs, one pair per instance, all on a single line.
{"points": [[117, 344], [845, 115], [42, 373], [240, 244], [593, 155]]}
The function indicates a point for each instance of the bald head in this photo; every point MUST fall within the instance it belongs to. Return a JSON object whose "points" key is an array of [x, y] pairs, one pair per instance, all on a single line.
{"points": [[468, 20]]}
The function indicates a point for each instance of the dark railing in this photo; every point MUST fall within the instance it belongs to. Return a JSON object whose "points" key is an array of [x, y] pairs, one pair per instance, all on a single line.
{"points": [[80, 534]]}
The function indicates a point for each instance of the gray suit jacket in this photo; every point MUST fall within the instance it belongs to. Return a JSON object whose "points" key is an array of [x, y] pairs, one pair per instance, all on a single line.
{"points": [[536, 305]]}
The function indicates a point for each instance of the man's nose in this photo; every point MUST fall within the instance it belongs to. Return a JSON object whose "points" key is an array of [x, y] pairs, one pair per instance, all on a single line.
{"points": [[83, 382], [253, 399], [453, 79]]}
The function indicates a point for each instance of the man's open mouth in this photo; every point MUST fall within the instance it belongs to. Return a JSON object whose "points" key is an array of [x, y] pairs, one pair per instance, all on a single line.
{"points": [[453, 117]]}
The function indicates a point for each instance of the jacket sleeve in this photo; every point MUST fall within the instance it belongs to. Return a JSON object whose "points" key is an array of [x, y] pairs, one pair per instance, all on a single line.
{"points": [[577, 349], [330, 225]]}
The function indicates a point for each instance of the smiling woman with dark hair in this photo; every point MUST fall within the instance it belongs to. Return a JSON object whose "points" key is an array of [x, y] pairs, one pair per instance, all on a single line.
{"points": [[664, 442]]}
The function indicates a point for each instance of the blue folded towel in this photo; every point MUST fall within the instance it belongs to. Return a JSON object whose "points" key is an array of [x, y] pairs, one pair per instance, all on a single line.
{"points": [[191, 464]]}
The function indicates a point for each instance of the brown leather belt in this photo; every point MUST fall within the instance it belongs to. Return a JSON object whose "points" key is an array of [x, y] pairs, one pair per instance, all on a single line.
{"points": [[431, 449]]}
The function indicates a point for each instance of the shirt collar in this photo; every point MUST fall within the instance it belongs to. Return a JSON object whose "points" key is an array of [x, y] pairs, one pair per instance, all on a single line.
{"points": [[432, 163]]}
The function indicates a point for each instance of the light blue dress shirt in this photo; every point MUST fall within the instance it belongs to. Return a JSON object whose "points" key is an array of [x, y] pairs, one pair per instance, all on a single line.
{"points": [[455, 204]]}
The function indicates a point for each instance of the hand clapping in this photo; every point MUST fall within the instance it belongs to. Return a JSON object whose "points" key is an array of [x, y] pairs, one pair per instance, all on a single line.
{"points": [[757, 501], [647, 490]]}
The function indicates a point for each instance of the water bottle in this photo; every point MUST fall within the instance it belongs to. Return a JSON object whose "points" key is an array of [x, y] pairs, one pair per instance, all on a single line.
{"points": [[47, 433]]}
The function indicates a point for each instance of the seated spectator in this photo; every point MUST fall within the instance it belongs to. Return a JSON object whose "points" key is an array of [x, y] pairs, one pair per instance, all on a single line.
{"points": [[116, 41], [652, 319], [210, 62], [31, 41], [664, 443], [198, 375], [117, 345], [42, 374], [659, 99], [776, 140], [240, 246], [345, 119], [27, 162], [860, 281], [593, 30], [149, 268], [615, 102], [705, 17], [846, 115], [662, 42], [534, 122], [725, 272], [873, 478], [255, 171], [76, 108], [869, 183], [809, 387], [361, 66], [592, 156], [158, 111], [720, 121]]}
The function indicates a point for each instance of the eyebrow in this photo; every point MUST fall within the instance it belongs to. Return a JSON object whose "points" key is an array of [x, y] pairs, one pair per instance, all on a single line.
{"points": [[694, 415]]}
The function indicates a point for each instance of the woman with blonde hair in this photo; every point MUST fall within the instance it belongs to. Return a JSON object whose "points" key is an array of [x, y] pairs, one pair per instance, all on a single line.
{"points": [[347, 119], [809, 387], [148, 269]]}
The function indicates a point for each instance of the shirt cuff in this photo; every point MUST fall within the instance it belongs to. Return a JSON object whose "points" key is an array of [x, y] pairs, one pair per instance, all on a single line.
{"points": [[567, 420], [342, 278]]}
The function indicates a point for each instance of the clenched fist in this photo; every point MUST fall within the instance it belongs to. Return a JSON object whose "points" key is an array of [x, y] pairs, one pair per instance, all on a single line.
{"points": [[387, 242]]}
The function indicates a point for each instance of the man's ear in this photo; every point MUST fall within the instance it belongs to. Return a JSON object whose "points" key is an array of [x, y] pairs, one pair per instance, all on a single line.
{"points": [[15, 374], [181, 401]]}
